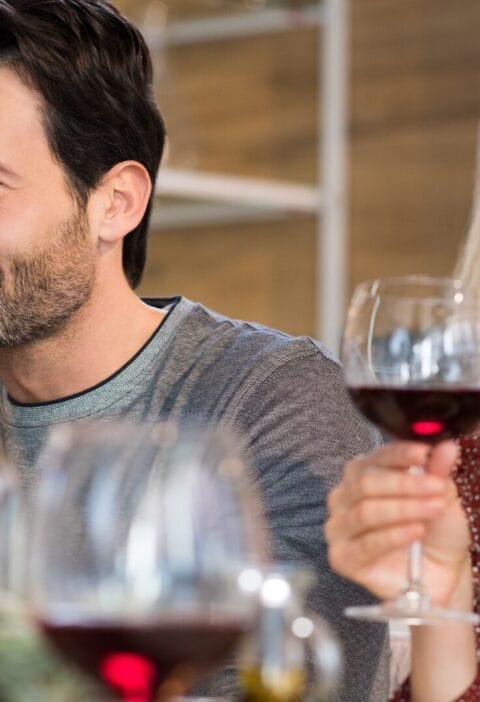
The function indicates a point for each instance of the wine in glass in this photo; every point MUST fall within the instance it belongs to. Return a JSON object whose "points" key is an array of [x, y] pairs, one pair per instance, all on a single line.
{"points": [[142, 537], [411, 355]]}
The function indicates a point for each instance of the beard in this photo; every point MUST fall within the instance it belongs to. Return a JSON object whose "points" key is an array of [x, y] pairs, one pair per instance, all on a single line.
{"points": [[40, 292]]}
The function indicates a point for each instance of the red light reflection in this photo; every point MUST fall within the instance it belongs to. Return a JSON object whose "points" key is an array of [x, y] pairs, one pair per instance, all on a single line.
{"points": [[427, 428], [131, 674]]}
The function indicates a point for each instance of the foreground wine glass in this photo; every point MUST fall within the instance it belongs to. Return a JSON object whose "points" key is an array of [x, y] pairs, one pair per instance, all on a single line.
{"points": [[411, 355], [12, 538], [140, 539]]}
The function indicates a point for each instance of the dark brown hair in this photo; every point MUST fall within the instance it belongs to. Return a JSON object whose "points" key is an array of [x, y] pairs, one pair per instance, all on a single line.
{"points": [[93, 71]]}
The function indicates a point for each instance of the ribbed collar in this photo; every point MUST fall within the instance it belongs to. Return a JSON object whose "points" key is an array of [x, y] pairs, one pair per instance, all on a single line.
{"points": [[98, 398]]}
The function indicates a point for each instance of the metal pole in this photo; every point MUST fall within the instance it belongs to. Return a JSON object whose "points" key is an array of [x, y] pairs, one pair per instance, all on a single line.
{"points": [[331, 239]]}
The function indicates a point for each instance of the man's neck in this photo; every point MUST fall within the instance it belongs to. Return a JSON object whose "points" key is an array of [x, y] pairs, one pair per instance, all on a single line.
{"points": [[101, 338]]}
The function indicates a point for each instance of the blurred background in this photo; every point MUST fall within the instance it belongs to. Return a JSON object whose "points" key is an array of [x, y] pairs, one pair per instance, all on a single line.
{"points": [[312, 144]]}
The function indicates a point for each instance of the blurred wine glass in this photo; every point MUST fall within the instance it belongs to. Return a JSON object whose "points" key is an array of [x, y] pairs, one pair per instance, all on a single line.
{"points": [[12, 536], [142, 539], [293, 654]]}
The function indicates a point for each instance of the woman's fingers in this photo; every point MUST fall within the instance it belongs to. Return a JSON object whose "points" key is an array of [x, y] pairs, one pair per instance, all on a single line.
{"points": [[385, 472], [350, 556], [363, 481], [400, 454], [382, 513], [443, 458], [404, 454], [381, 507]]}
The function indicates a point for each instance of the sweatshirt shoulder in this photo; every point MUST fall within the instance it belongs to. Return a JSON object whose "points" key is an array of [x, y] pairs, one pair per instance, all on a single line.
{"points": [[256, 345]]}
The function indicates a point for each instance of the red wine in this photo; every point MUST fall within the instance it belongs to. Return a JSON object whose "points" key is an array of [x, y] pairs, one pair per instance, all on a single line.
{"points": [[133, 660], [425, 414]]}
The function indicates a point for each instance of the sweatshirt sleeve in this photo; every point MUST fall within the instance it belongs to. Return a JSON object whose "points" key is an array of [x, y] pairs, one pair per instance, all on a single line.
{"points": [[301, 428]]}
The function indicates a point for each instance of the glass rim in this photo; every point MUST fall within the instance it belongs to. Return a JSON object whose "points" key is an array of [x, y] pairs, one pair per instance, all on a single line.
{"points": [[373, 289]]}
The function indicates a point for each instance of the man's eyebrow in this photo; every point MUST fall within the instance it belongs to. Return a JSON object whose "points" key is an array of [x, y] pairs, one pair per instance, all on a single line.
{"points": [[6, 171]]}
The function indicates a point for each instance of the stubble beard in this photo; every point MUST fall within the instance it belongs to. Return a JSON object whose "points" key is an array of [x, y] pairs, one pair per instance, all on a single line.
{"points": [[40, 293]]}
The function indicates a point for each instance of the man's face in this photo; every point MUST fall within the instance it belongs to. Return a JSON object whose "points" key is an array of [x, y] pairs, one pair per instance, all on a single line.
{"points": [[47, 256]]}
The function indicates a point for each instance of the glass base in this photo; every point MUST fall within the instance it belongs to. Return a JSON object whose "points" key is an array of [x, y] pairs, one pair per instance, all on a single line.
{"points": [[411, 610]]}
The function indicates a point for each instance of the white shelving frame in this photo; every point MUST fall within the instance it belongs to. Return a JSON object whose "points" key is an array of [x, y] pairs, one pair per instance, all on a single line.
{"points": [[229, 198]]}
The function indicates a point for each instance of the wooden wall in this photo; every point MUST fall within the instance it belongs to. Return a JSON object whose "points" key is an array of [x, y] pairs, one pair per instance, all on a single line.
{"points": [[249, 107], [414, 115]]}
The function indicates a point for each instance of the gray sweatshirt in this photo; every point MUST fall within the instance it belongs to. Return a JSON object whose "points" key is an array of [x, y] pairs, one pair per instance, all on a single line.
{"points": [[286, 397]]}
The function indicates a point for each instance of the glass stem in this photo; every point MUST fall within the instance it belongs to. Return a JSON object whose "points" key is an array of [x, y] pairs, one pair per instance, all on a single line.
{"points": [[415, 589], [415, 569]]}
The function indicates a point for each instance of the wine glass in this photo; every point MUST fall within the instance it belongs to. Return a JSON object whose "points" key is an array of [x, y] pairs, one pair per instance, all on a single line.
{"points": [[411, 355], [142, 539], [292, 654]]}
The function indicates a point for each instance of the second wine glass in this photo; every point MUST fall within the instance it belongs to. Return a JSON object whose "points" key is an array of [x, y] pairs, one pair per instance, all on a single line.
{"points": [[411, 355]]}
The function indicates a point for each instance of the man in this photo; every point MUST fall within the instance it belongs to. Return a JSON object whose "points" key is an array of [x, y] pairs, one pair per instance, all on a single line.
{"points": [[80, 144]]}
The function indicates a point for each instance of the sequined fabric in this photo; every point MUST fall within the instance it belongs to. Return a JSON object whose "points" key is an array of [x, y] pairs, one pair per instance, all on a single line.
{"points": [[467, 477]]}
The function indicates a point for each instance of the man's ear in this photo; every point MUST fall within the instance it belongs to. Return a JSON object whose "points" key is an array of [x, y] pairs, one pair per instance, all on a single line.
{"points": [[118, 204]]}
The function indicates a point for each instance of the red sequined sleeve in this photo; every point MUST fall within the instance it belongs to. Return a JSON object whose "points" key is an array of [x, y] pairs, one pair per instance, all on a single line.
{"points": [[468, 483]]}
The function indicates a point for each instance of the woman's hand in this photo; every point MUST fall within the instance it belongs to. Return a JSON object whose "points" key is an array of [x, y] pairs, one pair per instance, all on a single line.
{"points": [[380, 508]]}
